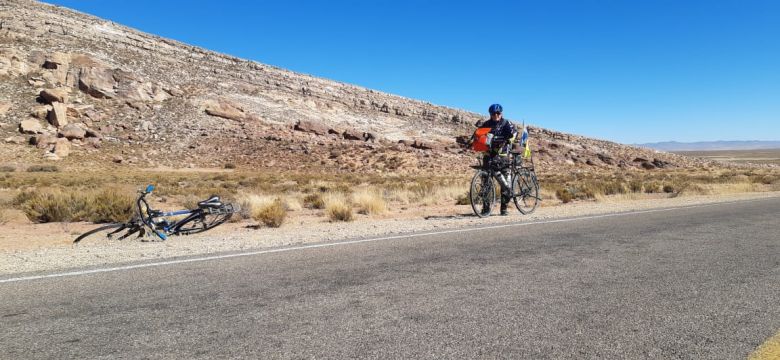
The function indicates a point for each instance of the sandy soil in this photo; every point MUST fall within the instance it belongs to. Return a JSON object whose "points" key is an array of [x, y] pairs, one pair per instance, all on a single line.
{"points": [[26, 247]]}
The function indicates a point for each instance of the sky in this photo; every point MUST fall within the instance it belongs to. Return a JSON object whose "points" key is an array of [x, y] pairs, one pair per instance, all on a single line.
{"points": [[629, 71]]}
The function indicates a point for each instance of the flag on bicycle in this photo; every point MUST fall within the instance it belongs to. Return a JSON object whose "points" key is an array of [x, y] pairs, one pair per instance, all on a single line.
{"points": [[524, 142]]}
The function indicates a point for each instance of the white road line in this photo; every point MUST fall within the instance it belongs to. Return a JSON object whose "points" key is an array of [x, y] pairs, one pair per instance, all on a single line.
{"points": [[350, 242]]}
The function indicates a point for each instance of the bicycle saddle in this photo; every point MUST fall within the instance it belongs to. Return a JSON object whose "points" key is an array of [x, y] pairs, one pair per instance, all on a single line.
{"points": [[213, 202]]}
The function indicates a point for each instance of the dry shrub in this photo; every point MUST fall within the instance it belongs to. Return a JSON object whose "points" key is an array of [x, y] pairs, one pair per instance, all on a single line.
{"points": [[426, 193], [43, 168], [338, 208], [7, 169], [55, 205], [109, 205], [652, 187], [463, 199], [564, 195], [190, 201], [51, 205], [314, 201], [369, 202], [271, 214], [251, 204], [292, 203], [635, 186]]}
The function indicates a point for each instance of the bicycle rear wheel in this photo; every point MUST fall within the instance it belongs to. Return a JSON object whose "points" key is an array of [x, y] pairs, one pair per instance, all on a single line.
{"points": [[482, 194], [105, 232], [198, 224], [525, 191]]}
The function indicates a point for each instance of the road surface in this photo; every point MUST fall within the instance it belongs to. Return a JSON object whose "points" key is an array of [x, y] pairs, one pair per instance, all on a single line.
{"points": [[695, 282]]}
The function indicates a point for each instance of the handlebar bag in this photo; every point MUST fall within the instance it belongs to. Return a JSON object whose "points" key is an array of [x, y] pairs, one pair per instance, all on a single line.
{"points": [[480, 143]]}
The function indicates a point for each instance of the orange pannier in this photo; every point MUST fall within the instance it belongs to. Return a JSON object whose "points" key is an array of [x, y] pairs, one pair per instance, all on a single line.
{"points": [[481, 143]]}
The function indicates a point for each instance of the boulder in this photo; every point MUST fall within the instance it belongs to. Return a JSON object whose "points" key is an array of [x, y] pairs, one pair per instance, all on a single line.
{"points": [[640, 160], [43, 141], [369, 136], [58, 116], [4, 107], [62, 147], [77, 111], [606, 159], [94, 115], [141, 91], [224, 109], [41, 111], [72, 131], [352, 134], [312, 127], [661, 163], [647, 165], [59, 94], [94, 142], [13, 63], [56, 61], [15, 140], [97, 82], [93, 134], [426, 145], [30, 126]]}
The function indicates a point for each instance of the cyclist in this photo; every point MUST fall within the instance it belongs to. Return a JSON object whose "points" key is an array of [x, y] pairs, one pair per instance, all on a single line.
{"points": [[504, 135]]}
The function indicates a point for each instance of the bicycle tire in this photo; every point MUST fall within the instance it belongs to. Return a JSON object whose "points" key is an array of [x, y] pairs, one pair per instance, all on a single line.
{"points": [[115, 228], [482, 194], [525, 191], [199, 224]]}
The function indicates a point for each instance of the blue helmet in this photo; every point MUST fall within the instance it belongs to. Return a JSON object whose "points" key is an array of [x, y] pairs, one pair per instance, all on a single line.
{"points": [[495, 109]]}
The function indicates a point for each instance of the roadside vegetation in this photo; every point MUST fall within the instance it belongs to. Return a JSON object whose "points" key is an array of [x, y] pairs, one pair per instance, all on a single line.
{"points": [[272, 199]]}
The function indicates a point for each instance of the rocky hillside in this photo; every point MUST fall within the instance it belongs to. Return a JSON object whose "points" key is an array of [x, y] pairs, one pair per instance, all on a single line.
{"points": [[83, 91]]}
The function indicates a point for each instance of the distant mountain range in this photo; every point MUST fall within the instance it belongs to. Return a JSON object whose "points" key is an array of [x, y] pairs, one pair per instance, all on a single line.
{"points": [[711, 145]]}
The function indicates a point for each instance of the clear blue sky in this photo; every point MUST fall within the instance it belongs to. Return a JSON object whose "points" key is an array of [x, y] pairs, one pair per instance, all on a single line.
{"points": [[630, 71]]}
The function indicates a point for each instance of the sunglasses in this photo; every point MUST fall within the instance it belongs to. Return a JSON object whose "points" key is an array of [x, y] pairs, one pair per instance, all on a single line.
{"points": [[495, 113]]}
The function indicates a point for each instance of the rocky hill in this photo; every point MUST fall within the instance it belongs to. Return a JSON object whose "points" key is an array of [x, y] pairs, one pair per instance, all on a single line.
{"points": [[88, 92]]}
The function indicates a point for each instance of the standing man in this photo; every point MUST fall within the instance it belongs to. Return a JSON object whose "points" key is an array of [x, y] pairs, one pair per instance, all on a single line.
{"points": [[504, 134]]}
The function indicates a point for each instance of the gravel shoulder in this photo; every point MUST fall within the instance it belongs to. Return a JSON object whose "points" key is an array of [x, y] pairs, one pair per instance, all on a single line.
{"points": [[27, 248]]}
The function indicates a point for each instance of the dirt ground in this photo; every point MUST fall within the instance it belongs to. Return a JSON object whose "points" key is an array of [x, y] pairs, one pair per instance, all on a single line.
{"points": [[27, 247]]}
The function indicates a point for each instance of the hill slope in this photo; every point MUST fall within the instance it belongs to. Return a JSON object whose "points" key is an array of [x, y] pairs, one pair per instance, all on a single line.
{"points": [[89, 92]]}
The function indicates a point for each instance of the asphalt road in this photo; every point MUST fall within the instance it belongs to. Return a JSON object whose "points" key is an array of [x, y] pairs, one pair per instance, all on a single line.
{"points": [[686, 283]]}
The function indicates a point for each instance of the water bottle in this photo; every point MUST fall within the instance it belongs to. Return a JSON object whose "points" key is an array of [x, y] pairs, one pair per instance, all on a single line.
{"points": [[504, 181]]}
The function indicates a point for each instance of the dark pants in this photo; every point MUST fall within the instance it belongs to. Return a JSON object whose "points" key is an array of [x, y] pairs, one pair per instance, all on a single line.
{"points": [[500, 165]]}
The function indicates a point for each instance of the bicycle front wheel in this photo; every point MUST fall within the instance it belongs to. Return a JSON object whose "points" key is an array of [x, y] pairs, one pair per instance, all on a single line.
{"points": [[482, 194], [525, 191], [105, 232]]}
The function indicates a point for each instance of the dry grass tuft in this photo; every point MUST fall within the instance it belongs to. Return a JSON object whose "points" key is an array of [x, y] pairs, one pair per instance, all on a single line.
{"points": [[314, 201], [4, 217], [271, 214], [337, 207], [369, 202], [292, 203]]}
